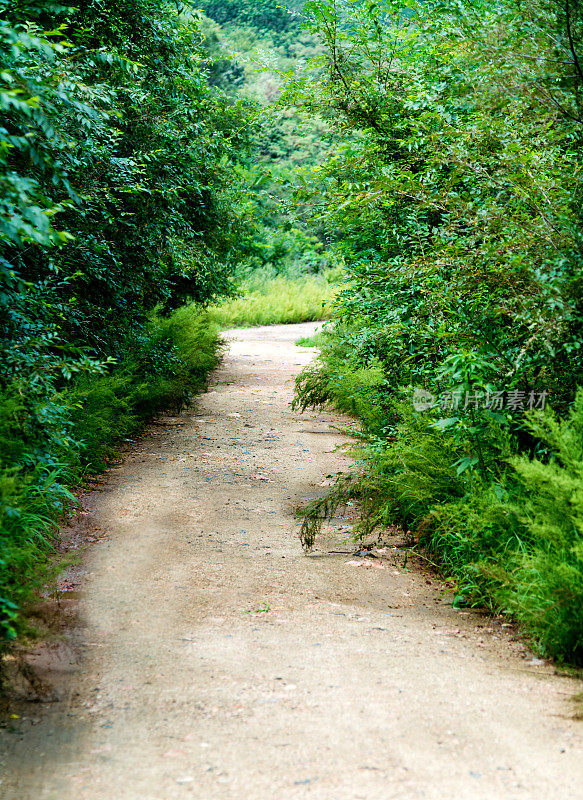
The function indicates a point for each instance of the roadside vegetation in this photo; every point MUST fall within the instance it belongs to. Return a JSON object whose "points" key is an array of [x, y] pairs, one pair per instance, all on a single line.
{"points": [[456, 205], [288, 273], [119, 201], [277, 301]]}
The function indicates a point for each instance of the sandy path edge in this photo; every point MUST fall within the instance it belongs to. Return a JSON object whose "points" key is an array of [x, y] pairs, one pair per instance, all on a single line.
{"points": [[215, 660]]}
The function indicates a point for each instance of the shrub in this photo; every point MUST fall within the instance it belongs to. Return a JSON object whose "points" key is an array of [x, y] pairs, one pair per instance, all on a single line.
{"points": [[456, 206]]}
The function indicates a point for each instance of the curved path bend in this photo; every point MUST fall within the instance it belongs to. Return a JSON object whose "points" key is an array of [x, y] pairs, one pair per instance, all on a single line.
{"points": [[213, 660]]}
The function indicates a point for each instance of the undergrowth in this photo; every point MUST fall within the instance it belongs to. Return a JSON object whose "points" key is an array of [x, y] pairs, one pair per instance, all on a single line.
{"points": [[509, 534], [278, 300], [317, 340], [48, 447]]}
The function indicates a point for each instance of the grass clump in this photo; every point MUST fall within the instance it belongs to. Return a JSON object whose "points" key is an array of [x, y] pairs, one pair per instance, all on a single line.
{"points": [[278, 300], [341, 377], [163, 368], [317, 340]]}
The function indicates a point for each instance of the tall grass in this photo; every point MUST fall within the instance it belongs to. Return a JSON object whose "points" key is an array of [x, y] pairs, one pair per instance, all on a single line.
{"points": [[163, 369], [278, 300]]}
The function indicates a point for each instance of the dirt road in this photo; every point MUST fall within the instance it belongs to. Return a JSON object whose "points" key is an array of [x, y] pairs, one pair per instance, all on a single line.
{"points": [[215, 661]]}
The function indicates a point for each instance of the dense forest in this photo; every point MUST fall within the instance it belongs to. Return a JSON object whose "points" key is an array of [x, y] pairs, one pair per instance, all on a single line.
{"points": [[422, 160]]}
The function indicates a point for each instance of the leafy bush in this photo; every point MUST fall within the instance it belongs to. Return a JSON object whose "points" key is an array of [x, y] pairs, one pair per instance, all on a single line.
{"points": [[119, 195], [456, 206], [164, 368], [543, 585], [265, 14], [339, 376]]}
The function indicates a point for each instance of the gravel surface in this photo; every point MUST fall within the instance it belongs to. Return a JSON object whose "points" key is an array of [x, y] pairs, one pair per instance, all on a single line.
{"points": [[211, 659]]}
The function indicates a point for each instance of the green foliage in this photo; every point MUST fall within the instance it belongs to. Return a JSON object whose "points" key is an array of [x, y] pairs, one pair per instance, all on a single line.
{"points": [[265, 14], [317, 340], [139, 163], [252, 62], [457, 208], [277, 300], [512, 544], [339, 376], [164, 367], [119, 194], [517, 546], [83, 424], [455, 204], [546, 594]]}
